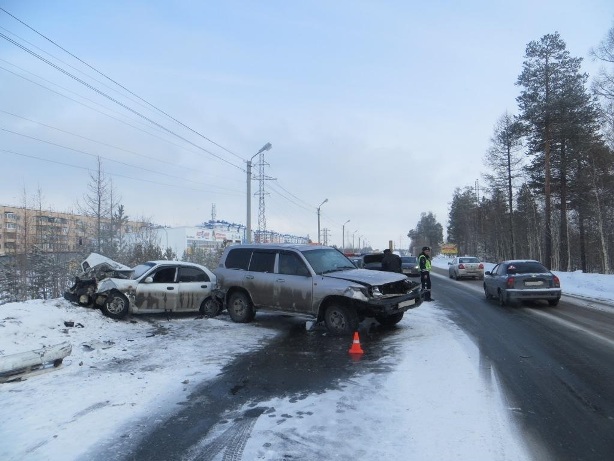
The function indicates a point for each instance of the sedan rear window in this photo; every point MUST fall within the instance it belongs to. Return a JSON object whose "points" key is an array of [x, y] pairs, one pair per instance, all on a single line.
{"points": [[526, 268], [192, 274]]}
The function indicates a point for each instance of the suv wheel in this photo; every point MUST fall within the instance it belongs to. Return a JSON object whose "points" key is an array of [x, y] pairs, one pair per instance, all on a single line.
{"points": [[341, 320], [116, 306], [240, 308]]}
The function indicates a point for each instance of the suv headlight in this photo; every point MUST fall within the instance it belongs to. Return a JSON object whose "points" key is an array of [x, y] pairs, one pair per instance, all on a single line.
{"points": [[359, 293]]}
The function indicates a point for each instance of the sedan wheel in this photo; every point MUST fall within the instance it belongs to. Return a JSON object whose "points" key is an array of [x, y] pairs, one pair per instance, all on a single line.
{"points": [[240, 308], [210, 307], [116, 306], [486, 293], [341, 320]]}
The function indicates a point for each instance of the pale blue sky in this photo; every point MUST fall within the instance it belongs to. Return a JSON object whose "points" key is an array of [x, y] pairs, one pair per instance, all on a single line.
{"points": [[360, 100]]}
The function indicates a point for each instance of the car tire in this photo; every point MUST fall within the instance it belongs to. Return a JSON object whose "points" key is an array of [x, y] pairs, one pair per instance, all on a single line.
{"points": [[553, 302], [341, 320], [450, 274], [502, 300], [486, 293], [389, 320], [116, 306], [210, 307], [240, 308]]}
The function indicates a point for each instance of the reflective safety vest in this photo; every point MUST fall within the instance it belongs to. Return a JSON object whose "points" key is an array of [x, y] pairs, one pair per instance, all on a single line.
{"points": [[427, 263]]}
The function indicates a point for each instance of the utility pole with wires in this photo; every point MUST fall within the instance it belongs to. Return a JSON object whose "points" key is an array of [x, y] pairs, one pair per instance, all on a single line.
{"points": [[261, 193]]}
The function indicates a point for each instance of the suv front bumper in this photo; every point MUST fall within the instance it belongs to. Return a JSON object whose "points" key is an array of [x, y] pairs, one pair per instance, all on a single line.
{"points": [[393, 305]]}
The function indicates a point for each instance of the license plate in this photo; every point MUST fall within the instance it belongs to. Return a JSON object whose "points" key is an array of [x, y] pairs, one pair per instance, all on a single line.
{"points": [[533, 284], [409, 302]]}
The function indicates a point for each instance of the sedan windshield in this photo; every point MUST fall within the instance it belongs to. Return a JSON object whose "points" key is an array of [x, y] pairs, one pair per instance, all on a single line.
{"points": [[139, 270], [324, 260]]}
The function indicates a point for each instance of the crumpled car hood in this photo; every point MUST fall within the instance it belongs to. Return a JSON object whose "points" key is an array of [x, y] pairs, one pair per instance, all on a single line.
{"points": [[95, 259], [122, 285], [367, 277]]}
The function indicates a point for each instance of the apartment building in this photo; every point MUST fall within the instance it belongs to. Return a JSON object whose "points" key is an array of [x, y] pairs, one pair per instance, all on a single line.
{"points": [[22, 229]]}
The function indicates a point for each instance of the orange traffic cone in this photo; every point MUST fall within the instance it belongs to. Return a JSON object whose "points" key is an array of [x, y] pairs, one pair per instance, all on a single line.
{"points": [[356, 349]]}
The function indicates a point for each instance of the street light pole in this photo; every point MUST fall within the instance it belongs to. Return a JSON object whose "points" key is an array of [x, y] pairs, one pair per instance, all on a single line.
{"points": [[325, 200], [343, 234], [353, 246], [248, 229]]}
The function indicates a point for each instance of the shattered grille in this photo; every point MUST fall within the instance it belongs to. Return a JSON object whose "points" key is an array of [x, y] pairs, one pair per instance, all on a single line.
{"points": [[397, 288]]}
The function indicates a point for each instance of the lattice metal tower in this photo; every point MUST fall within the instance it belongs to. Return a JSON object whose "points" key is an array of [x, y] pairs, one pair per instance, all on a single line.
{"points": [[261, 193]]}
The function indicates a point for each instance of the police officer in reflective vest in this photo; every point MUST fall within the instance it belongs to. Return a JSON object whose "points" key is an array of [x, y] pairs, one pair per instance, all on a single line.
{"points": [[425, 272]]}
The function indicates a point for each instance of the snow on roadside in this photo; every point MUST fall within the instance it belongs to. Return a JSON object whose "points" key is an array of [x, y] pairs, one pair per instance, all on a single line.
{"points": [[440, 401], [118, 371]]}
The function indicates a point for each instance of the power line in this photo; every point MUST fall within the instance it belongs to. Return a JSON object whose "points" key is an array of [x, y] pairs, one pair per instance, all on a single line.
{"points": [[126, 107], [141, 168], [121, 86], [69, 65], [147, 157], [91, 108], [110, 174], [103, 94]]}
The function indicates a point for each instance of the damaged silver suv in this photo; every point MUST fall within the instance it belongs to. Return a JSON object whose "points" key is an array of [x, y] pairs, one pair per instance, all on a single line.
{"points": [[313, 280]]}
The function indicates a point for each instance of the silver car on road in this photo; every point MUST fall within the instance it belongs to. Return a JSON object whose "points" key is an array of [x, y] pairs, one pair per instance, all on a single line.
{"points": [[511, 282], [463, 267]]}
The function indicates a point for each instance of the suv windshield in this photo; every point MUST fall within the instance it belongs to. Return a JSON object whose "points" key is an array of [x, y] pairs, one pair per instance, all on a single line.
{"points": [[409, 259], [326, 260]]}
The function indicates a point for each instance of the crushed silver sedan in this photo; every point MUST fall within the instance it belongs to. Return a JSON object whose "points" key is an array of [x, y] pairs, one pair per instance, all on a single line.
{"points": [[160, 286]]}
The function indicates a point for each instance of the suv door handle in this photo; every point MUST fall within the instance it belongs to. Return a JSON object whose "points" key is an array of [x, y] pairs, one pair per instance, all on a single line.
{"points": [[170, 288], [249, 277], [280, 280]]}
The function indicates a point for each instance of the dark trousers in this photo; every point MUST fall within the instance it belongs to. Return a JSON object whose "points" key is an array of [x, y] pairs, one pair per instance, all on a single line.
{"points": [[425, 278]]}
